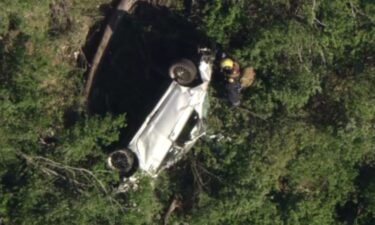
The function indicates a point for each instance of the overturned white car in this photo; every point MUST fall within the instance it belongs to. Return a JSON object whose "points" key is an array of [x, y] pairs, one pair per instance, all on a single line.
{"points": [[175, 123]]}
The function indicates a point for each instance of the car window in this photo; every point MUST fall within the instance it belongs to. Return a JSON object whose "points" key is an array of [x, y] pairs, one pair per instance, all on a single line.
{"points": [[185, 133], [178, 150]]}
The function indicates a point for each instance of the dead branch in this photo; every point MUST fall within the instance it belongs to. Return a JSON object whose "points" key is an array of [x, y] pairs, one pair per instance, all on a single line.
{"points": [[176, 203], [313, 9], [201, 167], [197, 177], [252, 113], [56, 169], [353, 9], [356, 11], [86, 173]]}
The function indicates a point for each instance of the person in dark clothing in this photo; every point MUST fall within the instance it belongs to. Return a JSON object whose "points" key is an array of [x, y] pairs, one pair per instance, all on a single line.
{"points": [[231, 70]]}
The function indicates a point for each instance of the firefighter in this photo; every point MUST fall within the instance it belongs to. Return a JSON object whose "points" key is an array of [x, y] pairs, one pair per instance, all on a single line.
{"points": [[232, 73], [236, 80]]}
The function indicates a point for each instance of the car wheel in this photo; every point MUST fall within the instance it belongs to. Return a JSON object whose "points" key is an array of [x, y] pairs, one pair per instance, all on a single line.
{"points": [[184, 72], [121, 160]]}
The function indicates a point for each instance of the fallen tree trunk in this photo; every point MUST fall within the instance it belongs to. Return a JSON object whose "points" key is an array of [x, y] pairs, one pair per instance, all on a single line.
{"points": [[125, 6]]}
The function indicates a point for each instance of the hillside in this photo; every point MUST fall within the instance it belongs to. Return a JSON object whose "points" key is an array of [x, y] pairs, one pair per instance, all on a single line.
{"points": [[299, 150]]}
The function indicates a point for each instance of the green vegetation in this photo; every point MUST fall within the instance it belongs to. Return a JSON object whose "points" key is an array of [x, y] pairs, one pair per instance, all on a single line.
{"points": [[301, 149]]}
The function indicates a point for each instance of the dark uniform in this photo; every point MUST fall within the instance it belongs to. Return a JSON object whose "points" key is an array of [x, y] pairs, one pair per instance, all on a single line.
{"points": [[233, 86], [233, 91]]}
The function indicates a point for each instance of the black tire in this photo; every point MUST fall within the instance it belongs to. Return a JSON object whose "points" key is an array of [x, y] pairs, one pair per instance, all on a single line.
{"points": [[121, 160], [183, 71]]}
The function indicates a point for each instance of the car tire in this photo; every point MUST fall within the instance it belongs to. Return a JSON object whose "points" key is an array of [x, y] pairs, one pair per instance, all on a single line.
{"points": [[183, 71], [121, 160]]}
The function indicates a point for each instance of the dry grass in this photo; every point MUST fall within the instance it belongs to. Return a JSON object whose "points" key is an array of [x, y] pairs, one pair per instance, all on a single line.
{"points": [[53, 56]]}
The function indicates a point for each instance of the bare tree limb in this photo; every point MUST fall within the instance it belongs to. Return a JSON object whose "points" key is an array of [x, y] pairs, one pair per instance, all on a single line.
{"points": [[197, 177], [176, 203], [353, 9], [53, 168], [208, 172]]}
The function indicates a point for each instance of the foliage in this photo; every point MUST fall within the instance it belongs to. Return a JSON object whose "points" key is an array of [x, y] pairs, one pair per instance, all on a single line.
{"points": [[299, 150]]}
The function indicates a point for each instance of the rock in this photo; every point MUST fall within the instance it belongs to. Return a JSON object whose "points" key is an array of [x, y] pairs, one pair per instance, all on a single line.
{"points": [[248, 77]]}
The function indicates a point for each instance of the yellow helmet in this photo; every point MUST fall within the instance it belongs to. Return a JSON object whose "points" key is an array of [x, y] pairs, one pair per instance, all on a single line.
{"points": [[226, 63]]}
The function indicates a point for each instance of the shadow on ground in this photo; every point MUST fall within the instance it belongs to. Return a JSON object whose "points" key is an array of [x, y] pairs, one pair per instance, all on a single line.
{"points": [[134, 73], [134, 70]]}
